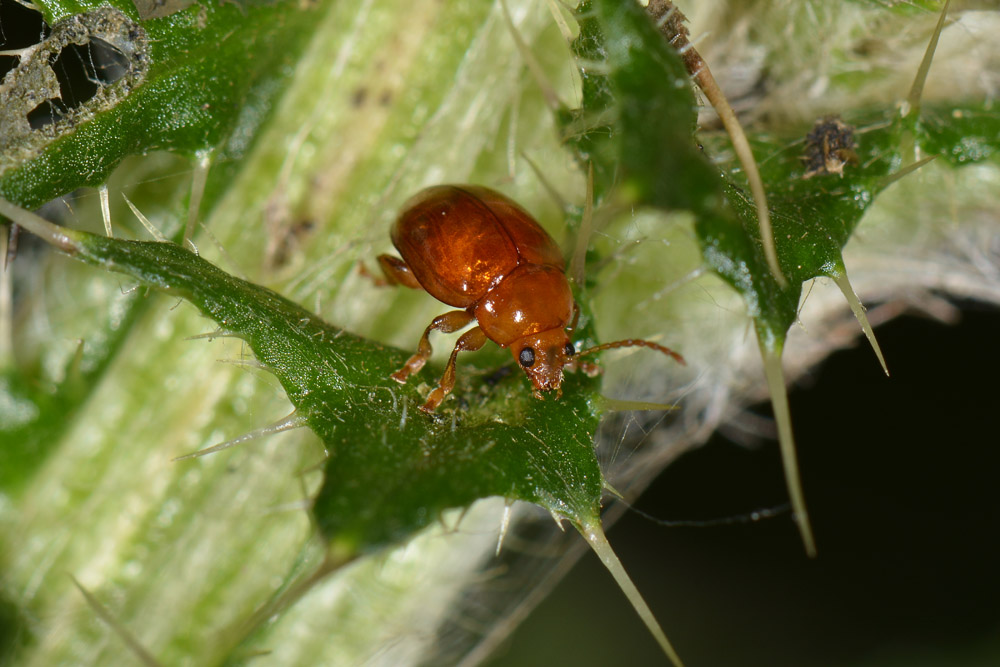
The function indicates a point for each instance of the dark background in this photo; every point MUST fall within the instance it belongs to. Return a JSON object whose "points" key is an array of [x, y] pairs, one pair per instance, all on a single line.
{"points": [[900, 478]]}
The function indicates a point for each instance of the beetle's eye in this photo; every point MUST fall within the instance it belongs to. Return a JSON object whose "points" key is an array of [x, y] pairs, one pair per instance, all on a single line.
{"points": [[570, 350], [526, 357]]}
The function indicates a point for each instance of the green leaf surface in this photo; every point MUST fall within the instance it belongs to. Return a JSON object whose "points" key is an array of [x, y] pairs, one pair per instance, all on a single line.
{"points": [[960, 134], [200, 79], [391, 469]]}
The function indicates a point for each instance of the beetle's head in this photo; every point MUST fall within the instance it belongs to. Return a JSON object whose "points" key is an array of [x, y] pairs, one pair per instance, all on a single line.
{"points": [[542, 356]]}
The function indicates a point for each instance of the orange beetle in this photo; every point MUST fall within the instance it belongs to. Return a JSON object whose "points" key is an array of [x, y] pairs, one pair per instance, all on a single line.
{"points": [[477, 250]]}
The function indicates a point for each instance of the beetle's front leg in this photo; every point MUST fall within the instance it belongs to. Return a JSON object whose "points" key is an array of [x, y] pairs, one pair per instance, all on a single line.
{"points": [[446, 323], [471, 340]]}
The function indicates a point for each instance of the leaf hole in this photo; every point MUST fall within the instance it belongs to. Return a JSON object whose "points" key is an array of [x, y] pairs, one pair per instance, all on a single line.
{"points": [[59, 76], [46, 113], [20, 27], [82, 69]]}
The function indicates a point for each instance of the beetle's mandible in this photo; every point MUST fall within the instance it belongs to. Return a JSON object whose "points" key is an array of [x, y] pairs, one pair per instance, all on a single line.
{"points": [[475, 249]]}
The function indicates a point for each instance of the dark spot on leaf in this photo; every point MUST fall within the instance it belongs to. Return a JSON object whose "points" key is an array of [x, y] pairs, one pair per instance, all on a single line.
{"points": [[829, 147]]}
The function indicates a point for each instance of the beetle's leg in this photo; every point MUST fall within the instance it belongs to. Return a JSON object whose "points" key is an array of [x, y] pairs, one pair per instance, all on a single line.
{"points": [[471, 340], [395, 272], [447, 323]]}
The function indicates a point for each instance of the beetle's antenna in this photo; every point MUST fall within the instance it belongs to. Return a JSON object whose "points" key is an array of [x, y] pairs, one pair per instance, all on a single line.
{"points": [[633, 342]]}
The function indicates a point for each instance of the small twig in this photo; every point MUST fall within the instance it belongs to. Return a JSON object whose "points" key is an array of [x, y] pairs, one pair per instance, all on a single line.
{"points": [[670, 22]]}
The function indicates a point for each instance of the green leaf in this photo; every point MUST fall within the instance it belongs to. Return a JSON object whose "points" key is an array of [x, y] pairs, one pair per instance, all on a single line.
{"points": [[392, 469], [636, 126], [961, 134], [201, 79]]}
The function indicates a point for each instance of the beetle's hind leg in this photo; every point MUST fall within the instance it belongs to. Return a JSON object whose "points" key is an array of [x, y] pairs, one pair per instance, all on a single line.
{"points": [[394, 272], [471, 340], [447, 323]]}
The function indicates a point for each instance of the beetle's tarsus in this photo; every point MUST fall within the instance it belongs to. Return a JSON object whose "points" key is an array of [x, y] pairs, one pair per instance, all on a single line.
{"points": [[433, 401], [411, 367]]}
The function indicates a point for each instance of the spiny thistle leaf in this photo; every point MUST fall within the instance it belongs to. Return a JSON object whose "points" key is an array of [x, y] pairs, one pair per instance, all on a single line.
{"points": [[391, 468]]}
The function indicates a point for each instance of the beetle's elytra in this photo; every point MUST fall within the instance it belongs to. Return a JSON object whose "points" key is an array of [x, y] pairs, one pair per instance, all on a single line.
{"points": [[475, 249]]}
